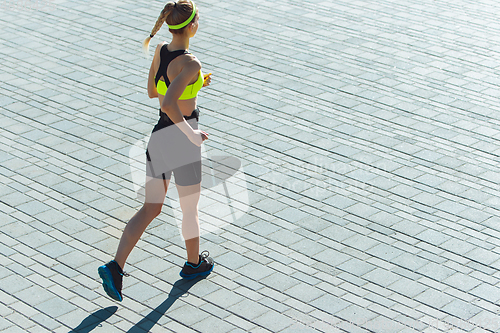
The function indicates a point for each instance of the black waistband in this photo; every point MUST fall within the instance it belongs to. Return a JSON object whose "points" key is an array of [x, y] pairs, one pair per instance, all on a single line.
{"points": [[165, 121], [194, 114]]}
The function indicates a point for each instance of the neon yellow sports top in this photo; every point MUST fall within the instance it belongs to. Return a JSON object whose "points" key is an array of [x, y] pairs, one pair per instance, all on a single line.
{"points": [[190, 92], [166, 57]]}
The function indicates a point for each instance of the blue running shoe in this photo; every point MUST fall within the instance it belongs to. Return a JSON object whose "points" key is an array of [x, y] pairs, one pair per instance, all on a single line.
{"points": [[112, 278], [203, 268]]}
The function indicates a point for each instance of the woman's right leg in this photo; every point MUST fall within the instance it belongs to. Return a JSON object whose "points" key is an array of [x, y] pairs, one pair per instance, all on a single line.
{"points": [[156, 189]]}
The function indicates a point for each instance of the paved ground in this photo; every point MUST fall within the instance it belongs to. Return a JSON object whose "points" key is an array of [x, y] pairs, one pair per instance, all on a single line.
{"points": [[367, 199]]}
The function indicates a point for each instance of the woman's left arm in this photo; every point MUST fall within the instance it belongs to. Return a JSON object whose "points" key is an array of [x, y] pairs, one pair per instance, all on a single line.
{"points": [[152, 92]]}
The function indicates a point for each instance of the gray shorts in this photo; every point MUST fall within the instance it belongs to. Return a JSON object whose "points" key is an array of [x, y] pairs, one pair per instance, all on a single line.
{"points": [[170, 151]]}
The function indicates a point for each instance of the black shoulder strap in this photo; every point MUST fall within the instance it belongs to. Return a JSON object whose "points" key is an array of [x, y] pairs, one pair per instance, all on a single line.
{"points": [[165, 58]]}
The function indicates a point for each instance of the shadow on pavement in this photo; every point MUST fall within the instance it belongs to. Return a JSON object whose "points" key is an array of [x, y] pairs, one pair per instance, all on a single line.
{"points": [[92, 321], [179, 288]]}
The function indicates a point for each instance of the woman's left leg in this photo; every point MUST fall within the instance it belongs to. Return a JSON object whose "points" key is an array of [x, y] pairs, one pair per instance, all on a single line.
{"points": [[197, 264]]}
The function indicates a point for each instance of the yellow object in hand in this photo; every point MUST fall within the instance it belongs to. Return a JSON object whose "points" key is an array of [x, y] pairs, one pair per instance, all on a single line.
{"points": [[205, 77]]}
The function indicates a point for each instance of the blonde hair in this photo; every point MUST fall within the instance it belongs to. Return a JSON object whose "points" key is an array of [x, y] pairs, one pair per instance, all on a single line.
{"points": [[173, 13]]}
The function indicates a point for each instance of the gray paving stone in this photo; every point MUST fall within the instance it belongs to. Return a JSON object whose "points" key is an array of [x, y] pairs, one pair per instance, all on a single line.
{"points": [[356, 267], [284, 237], [332, 257], [356, 315], [481, 255], [360, 242], [15, 198], [381, 277], [337, 233], [5, 324], [55, 249], [461, 309], [434, 298], [410, 261], [462, 282], [17, 229], [330, 304], [14, 283], [262, 228], [279, 281], [486, 291], [255, 271], [55, 307], [457, 246], [188, 314], [308, 247], [215, 311], [407, 287], [291, 214], [212, 324], [248, 310], [384, 251], [75, 259], [19, 267], [433, 237], [304, 292], [273, 321], [224, 298]]}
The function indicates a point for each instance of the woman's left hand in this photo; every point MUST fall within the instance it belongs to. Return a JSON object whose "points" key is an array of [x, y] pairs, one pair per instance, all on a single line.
{"points": [[207, 78]]}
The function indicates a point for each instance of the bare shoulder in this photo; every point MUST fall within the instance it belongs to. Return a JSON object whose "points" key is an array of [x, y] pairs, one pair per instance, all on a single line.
{"points": [[191, 61], [159, 46], [157, 51]]}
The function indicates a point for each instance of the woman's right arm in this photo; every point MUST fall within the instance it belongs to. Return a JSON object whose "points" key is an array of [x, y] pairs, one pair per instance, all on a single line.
{"points": [[171, 108]]}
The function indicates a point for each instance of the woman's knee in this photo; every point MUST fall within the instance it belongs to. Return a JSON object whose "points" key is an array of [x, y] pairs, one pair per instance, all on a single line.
{"points": [[189, 203], [152, 209]]}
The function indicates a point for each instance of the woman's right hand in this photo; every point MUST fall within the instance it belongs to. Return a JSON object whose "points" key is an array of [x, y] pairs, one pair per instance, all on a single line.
{"points": [[198, 137]]}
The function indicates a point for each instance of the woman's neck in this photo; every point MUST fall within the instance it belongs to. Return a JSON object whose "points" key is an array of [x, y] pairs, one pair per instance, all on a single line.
{"points": [[179, 42]]}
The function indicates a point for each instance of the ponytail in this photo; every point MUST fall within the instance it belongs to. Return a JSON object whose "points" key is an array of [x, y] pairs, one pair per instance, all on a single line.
{"points": [[185, 12], [159, 22]]}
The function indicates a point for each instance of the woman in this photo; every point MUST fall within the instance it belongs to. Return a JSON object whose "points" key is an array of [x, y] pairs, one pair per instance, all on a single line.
{"points": [[175, 78]]}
